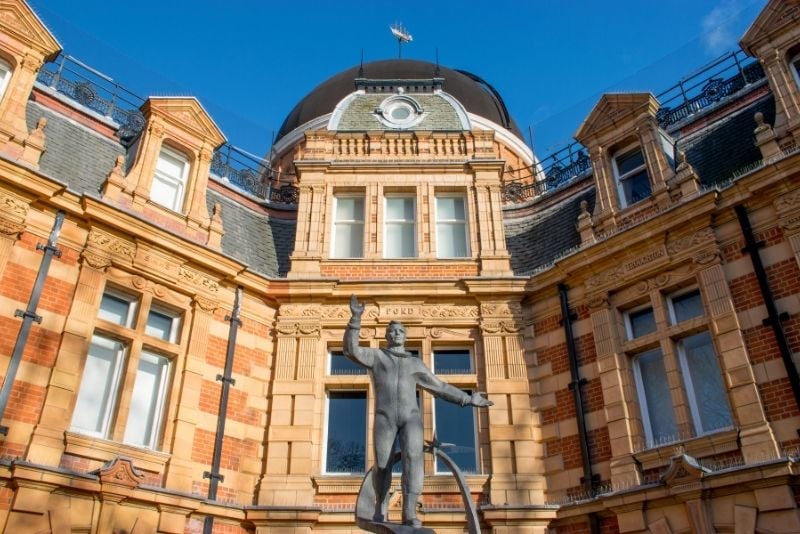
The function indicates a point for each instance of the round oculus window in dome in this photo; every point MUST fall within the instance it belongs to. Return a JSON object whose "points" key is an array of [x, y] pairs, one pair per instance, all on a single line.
{"points": [[400, 112]]}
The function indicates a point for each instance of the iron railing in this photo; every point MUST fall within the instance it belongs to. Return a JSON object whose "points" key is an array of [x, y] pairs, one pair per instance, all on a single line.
{"points": [[699, 90], [101, 94]]}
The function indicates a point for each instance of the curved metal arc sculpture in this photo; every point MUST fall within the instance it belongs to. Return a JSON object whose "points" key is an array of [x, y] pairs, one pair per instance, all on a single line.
{"points": [[365, 505]]}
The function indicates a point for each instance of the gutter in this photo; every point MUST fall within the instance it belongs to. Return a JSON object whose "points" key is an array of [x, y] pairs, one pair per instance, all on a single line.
{"points": [[227, 381]]}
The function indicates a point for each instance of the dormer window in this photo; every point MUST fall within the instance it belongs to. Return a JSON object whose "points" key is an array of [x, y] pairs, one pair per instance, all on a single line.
{"points": [[794, 64], [5, 76], [169, 179], [633, 182], [399, 111]]}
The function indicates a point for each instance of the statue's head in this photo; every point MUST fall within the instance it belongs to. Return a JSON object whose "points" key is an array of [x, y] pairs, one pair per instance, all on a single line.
{"points": [[395, 333]]}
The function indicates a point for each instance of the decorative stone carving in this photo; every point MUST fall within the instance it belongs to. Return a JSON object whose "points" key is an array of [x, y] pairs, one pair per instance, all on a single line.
{"points": [[303, 329], [112, 244], [12, 205], [96, 261], [143, 284], [451, 311], [501, 309], [119, 472], [500, 327], [198, 279], [10, 228], [205, 304], [614, 274], [705, 257], [597, 302], [686, 242]]}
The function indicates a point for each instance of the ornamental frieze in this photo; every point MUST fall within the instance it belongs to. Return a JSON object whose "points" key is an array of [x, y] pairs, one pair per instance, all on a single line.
{"points": [[11, 205], [10, 228], [301, 329], [627, 267], [198, 279], [500, 327], [96, 261], [205, 304], [450, 312], [501, 309], [112, 244], [681, 244]]}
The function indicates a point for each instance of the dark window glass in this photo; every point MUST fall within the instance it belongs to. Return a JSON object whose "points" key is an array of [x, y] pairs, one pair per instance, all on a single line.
{"points": [[347, 432], [342, 365], [455, 425], [452, 362], [709, 400], [628, 162], [656, 402], [642, 322], [687, 306], [636, 187]]}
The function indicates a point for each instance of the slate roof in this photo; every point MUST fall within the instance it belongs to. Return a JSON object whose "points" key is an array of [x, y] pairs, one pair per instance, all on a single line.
{"points": [[547, 234], [360, 114], [74, 153], [716, 153], [727, 145], [262, 242]]}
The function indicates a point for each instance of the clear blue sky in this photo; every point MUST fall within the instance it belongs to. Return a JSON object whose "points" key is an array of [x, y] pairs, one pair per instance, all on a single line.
{"points": [[249, 61]]}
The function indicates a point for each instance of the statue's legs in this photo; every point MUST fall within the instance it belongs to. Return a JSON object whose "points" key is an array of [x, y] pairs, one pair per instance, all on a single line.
{"points": [[413, 468], [384, 433]]}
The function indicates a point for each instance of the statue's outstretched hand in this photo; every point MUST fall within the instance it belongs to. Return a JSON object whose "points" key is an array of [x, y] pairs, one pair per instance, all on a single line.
{"points": [[479, 400], [356, 308]]}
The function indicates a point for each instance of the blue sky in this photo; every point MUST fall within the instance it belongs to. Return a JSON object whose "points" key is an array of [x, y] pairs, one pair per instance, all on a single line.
{"points": [[249, 62]]}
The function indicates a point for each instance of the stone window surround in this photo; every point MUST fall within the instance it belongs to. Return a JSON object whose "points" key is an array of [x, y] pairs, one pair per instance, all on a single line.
{"points": [[135, 340], [618, 153], [666, 337], [362, 382]]}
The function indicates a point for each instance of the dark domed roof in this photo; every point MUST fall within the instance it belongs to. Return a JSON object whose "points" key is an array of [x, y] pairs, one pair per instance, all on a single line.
{"points": [[475, 94]]}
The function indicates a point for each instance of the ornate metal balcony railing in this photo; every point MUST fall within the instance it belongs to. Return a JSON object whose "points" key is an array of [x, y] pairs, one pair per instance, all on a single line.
{"points": [[699, 90], [101, 94]]}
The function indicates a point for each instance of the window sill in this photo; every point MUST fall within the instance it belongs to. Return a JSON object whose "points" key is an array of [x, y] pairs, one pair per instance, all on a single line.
{"points": [[104, 450], [699, 447], [438, 483]]}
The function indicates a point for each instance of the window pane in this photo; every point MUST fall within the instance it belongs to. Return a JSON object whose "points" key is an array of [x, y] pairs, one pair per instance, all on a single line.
{"points": [[687, 306], [399, 208], [160, 325], [399, 240], [450, 208], [5, 76], [451, 362], [349, 240], [642, 322], [636, 187], [97, 394], [115, 309], [147, 400], [456, 425], [350, 209], [347, 432], [171, 164], [705, 383], [451, 240], [342, 365], [628, 162], [166, 193], [656, 406]]}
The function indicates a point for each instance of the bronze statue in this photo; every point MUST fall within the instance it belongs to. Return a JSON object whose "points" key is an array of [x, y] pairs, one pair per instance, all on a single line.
{"points": [[396, 374]]}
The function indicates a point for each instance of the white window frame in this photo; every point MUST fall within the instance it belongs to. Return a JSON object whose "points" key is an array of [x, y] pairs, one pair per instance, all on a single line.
{"points": [[387, 222], [172, 315], [326, 418], [133, 304], [691, 396], [673, 319], [347, 222], [5, 76], [110, 407], [620, 178], [159, 403], [629, 325], [180, 182], [452, 222], [475, 442]]}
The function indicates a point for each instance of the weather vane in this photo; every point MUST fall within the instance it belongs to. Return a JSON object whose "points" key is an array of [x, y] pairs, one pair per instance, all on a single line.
{"points": [[402, 36]]}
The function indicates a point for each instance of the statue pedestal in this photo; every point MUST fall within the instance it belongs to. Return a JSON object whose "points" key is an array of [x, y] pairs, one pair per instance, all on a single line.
{"points": [[390, 528]]}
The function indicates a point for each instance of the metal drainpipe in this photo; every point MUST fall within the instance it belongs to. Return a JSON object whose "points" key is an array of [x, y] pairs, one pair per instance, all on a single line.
{"points": [[214, 475], [577, 395], [773, 317], [29, 315]]}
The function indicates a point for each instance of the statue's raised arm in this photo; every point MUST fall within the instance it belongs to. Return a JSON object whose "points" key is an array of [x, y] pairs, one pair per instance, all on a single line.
{"points": [[351, 349]]}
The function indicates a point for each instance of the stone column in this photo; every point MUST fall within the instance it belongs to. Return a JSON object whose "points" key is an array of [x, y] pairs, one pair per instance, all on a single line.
{"points": [[516, 456], [492, 252], [612, 366], [287, 479], [182, 470], [757, 440]]}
